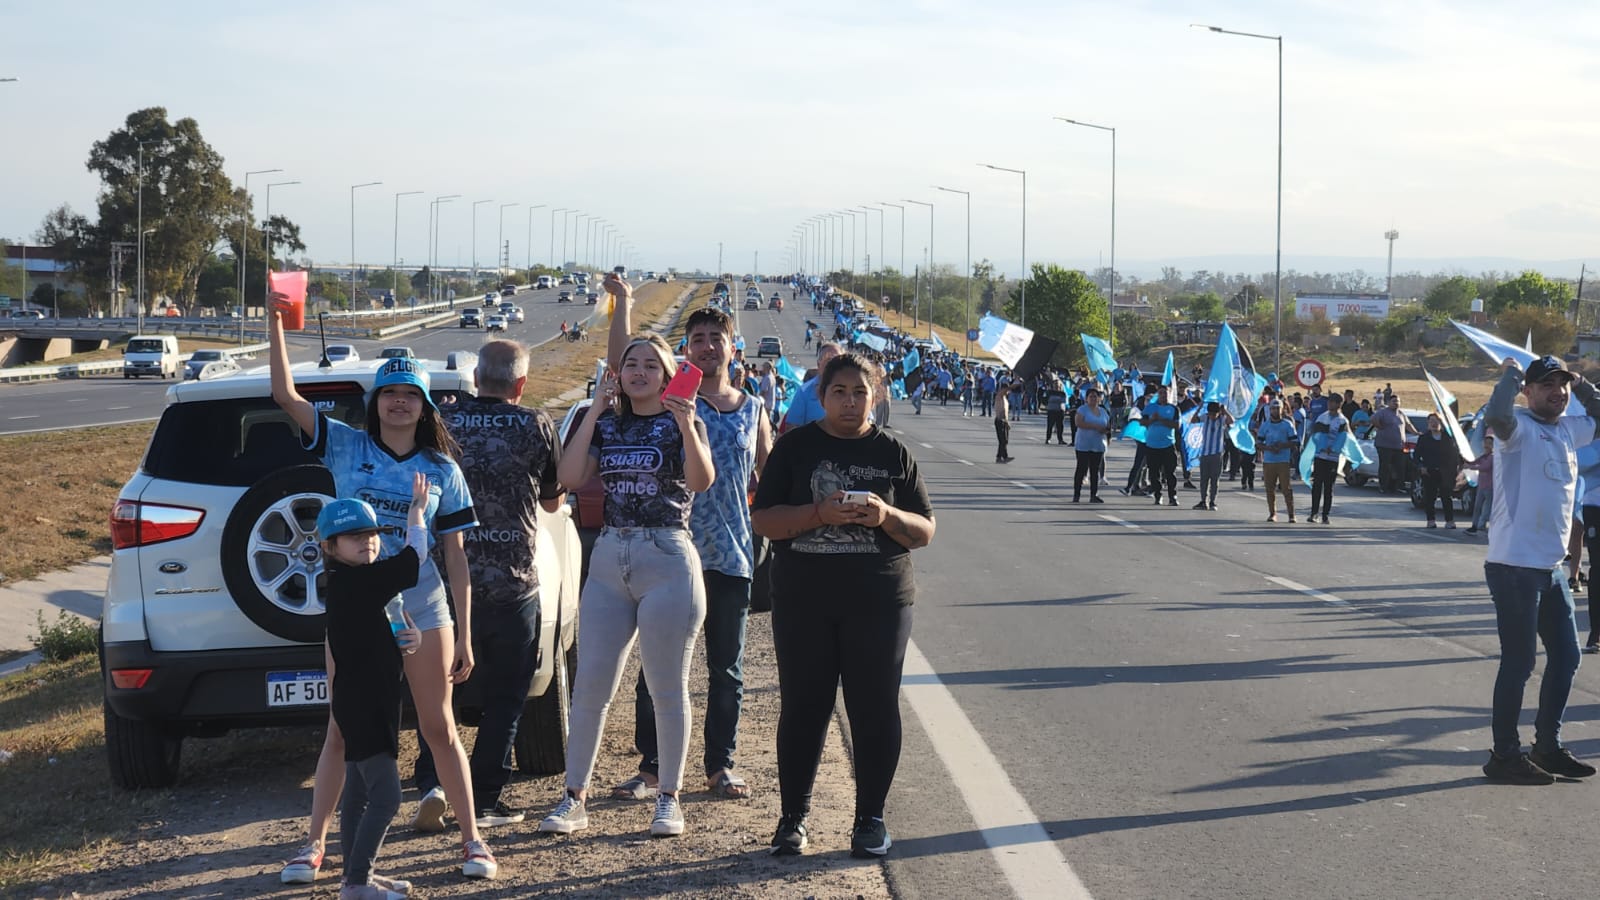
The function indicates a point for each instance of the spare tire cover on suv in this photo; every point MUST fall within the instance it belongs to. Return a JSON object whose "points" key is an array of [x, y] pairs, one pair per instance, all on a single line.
{"points": [[271, 561]]}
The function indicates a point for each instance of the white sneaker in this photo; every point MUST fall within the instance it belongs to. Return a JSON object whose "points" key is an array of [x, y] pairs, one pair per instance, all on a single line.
{"points": [[568, 816], [430, 812], [477, 861], [668, 821]]}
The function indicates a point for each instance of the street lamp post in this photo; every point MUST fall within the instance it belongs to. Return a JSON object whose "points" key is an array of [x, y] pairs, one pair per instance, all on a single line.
{"points": [[1111, 277], [855, 273], [529, 255], [1277, 287], [138, 248], [930, 274], [577, 226], [434, 292], [353, 236], [968, 195], [1025, 273], [395, 272], [475, 205], [244, 243], [902, 310], [563, 211], [873, 209], [266, 233], [502, 256]]}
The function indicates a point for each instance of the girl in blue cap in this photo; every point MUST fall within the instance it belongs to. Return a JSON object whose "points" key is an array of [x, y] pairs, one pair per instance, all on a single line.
{"points": [[404, 435], [365, 695]]}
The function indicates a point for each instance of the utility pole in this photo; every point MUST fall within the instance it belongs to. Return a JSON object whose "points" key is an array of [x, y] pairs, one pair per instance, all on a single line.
{"points": [[1388, 280]]}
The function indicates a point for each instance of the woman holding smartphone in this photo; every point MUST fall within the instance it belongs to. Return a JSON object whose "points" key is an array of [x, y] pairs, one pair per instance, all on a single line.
{"points": [[404, 435], [649, 450], [845, 505]]}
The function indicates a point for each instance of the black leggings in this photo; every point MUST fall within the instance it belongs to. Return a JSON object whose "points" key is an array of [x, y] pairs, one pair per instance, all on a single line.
{"points": [[1324, 472], [1091, 463], [1162, 461], [371, 798], [819, 645], [1591, 538]]}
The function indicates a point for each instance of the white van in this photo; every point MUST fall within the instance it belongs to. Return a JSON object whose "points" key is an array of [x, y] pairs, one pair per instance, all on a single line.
{"points": [[151, 354], [545, 281]]}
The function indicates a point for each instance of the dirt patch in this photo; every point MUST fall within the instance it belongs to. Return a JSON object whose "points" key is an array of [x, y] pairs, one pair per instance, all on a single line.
{"points": [[241, 810], [560, 365], [61, 485]]}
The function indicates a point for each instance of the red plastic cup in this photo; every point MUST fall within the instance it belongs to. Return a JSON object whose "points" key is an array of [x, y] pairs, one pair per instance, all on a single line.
{"points": [[293, 286]]}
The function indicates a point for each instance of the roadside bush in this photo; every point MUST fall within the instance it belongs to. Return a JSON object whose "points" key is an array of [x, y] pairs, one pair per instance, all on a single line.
{"points": [[1552, 333], [70, 636], [1358, 326]]}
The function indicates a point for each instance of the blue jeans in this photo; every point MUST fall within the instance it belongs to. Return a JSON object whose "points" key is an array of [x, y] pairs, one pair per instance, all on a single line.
{"points": [[727, 612], [1532, 604], [505, 648]]}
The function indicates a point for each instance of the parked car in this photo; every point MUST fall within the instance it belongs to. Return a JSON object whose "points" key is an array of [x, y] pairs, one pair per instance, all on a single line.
{"points": [[204, 364], [769, 345], [472, 317], [392, 352], [496, 322], [1369, 471], [213, 616], [564, 297], [338, 353]]}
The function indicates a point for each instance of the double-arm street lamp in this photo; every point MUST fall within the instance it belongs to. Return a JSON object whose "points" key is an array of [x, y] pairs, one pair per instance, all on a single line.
{"points": [[435, 289], [244, 239], [902, 310], [475, 205], [1111, 277], [563, 210], [1277, 287], [1025, 273], [353, 236], [395, 272], [529, 255], [968, 195], [267, 234]]}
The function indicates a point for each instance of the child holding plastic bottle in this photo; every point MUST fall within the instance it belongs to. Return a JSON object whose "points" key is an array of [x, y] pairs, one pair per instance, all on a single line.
{"points": [[368, 630]]}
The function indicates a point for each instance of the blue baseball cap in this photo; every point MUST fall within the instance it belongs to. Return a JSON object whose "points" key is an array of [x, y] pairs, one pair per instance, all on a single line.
{"points": [[347, 516], [404, 370]]}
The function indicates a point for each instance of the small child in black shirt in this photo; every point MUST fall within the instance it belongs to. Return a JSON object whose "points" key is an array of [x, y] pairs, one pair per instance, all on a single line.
{"points": [[366, 650]]}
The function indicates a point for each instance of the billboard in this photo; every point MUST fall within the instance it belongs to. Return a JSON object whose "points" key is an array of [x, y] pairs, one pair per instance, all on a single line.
{"points": [[1336, 306]]}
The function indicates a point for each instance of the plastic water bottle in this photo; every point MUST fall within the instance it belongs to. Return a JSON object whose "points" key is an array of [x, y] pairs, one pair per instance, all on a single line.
{"points": [[397, 619]]}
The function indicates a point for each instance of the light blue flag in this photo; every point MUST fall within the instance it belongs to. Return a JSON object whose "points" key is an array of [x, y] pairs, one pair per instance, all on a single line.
{"points": [[1239, 431], [1101, 359], [1193, 430], [1138, 390], [934, 338], [1351, 453], [1497, 350], [870, 340], [1232, 380], [1166, 374], [787, 371], [911, 362], [1134, 430]]}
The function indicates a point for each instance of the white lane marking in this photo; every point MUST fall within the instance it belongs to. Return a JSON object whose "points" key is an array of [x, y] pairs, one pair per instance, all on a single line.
{"points": [[79, 400], [1022, 485], [964, 462], [1123, 522], [15, 418], [926, 446], [1313, 593], [77, 427], [1025, 853], [115, 407]]}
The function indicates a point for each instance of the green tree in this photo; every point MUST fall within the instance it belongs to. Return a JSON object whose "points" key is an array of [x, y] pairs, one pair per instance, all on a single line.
{"points": [[1452, 297], [1206, 307], [1062, 303], [1137, 334], [1528, 289], [1552, 333], [187, 198], [10, 275]]}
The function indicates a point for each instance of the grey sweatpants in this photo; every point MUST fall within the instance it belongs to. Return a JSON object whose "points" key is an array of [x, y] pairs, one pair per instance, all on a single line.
{"points": [[1210, 474], [644, 582], [371, 798]]}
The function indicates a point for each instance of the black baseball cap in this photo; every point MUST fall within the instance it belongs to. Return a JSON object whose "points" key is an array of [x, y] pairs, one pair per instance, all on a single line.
{"points": [[1545, 368]]}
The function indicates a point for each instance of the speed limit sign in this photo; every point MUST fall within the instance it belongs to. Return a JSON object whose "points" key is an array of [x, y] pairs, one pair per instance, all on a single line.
{"points": [[1308, 373]]}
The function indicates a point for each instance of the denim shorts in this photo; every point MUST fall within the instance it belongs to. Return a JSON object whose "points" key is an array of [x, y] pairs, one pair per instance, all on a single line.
{"points": [[427, 604]]}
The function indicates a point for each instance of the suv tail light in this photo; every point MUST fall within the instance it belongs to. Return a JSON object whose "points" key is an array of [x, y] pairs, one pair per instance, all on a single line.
{"points": [[135, 524], [130, 679]]}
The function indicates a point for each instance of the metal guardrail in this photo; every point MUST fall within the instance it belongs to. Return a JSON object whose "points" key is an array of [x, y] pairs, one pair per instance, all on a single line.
{"points": [[108, 367]]}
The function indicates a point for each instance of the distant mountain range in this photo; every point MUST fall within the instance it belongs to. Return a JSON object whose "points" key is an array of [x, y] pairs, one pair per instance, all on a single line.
{"points": [[1149, 269]]}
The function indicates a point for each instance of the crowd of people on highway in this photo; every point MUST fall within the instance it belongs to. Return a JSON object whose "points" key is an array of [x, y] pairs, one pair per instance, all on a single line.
{"points": [[695, 485]]}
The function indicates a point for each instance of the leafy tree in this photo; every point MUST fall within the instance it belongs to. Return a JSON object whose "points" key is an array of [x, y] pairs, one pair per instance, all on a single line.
{"points": [[1062, 303], [419, 281], [1358, 326], [1206, 307], [1137, 334], [1528, 289], [1451, 297], [187, 198], [10, 276], [1552, 333]]}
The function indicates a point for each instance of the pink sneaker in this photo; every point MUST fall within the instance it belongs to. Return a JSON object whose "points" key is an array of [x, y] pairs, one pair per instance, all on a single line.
{"points": [[304, 867]]}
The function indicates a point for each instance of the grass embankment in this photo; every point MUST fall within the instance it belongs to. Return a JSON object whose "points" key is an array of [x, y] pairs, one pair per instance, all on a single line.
{"points": [[560, 365], [114, 350]]}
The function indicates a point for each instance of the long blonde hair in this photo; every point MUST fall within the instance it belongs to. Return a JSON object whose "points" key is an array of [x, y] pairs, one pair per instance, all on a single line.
{"points": [[656, 343]]}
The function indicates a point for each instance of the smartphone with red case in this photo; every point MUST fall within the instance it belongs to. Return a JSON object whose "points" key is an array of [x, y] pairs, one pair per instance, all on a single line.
{"points": [[686, 383]]}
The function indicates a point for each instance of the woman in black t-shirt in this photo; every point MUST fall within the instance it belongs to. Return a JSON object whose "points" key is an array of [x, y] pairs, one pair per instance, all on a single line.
{"points": [[845, 505]]}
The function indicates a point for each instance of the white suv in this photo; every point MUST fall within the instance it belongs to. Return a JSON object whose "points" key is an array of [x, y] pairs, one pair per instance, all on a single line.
{"points": [[213, 615]]}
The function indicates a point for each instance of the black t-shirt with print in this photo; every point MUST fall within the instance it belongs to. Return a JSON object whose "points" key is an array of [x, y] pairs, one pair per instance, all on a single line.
{"points": [[508, 459], [641, 466], [849, 563], [366, 659]]}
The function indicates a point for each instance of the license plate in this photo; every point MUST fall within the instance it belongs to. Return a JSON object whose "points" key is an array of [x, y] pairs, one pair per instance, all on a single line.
{"points": [[297, 688]]}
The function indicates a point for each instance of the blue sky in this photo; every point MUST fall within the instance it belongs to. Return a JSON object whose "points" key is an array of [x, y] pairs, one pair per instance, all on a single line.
{"points": [[1467, 126]]}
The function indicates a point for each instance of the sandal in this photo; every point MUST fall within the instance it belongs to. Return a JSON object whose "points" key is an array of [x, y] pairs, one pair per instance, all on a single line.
{"points": [[729, 786], [635, 788]]}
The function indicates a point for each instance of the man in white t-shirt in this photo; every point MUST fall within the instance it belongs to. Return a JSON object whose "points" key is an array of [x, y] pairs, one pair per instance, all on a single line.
{"points": [[1535, 483]]}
